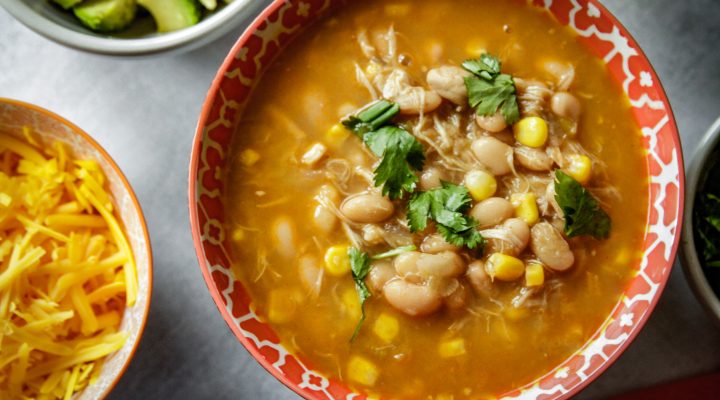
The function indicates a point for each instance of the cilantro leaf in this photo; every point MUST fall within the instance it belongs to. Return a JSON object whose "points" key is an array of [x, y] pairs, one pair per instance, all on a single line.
{"points": [[582, 212], [360, 267], [372, 117], [486, 67], [489, 96], [446, 206], [401, 153], [489, 90]]}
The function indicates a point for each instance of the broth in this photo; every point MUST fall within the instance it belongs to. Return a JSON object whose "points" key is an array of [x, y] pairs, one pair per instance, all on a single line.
{"points": [[483, 349]]}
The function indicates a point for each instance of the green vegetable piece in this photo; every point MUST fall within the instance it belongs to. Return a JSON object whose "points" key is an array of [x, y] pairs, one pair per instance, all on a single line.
{"points": [[446, 206], [106, 15], [582, 212], [401, 153], [489, 90], [372, 117], [360, 267], [171, 15], [67, 4], [394, 252]]}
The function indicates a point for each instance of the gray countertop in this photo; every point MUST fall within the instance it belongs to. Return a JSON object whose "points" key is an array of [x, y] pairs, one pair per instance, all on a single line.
{"points": [[144, 113]]}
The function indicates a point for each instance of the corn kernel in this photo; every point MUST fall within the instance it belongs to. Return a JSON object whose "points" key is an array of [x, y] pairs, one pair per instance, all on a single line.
{"points": [[337, 260], [282, 305], [5, 199], [480, 184], [336, 134], [531, 131], [249, 157], [525, 207], [452, 348], [504, 267], [351, 302], [386, 327], [579, 168], [534, 274], [238, 235], [362, 371], [475, 47]]}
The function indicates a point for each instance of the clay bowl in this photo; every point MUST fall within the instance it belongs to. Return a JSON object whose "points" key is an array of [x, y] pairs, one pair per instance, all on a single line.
{"points": [[601, 33], [50, 127]]}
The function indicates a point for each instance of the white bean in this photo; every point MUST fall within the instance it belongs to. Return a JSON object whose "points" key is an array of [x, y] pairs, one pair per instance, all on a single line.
{"points": [[491, 123], [367, 208], [565, 105], [311, 273], [406, 263], [492, 211], [520, 232], [533, 159], [479, 279], [445, 264], [380, 273], [284, 235], [415, 99], [513, 238], [550, 247], [495, 155], [410, 298], [449, 82], [431, 178], [324, 219], [456, 295], [435, 244]]}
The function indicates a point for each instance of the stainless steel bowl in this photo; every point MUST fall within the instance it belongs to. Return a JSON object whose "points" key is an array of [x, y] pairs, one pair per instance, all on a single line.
{"points": [[44, 18], [690, 260]]}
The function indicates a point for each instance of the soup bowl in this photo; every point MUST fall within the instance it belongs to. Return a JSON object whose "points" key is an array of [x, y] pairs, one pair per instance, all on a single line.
{"points": [[603, 35], [49, 128]]}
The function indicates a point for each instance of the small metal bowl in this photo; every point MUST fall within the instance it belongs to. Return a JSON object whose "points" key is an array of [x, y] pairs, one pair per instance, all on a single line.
{"points": [[689, 254], [62, 27]]}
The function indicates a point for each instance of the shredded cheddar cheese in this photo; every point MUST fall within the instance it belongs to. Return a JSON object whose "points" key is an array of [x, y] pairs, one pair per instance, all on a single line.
{"points": [[66, 271]]}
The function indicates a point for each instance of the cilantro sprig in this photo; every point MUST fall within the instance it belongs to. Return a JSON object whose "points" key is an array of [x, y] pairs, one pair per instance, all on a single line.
{"points": [[371, 117], [489, 90], [446, 206], [400, 152], [360, 267], [582, 212]]}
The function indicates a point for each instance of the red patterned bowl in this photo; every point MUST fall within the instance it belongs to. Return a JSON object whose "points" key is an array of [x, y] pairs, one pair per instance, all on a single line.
{"points": [[601, 33]]}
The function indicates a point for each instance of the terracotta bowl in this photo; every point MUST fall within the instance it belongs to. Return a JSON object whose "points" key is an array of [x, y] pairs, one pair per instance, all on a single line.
{"points": [[600, 32], [50, 127]]}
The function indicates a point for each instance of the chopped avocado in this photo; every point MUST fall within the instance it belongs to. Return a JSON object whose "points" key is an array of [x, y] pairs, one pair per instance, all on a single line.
{"points": [[106, 15], [67, 4], [171, 15], [209, 4]]}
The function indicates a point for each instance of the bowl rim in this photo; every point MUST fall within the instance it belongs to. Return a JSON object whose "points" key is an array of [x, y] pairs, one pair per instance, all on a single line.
{"points": [[690, 261], [192, 187], [104, 154], [114, 46], [227, 317]]}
